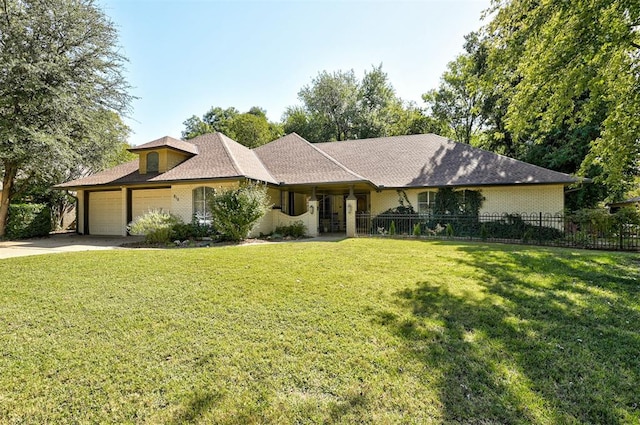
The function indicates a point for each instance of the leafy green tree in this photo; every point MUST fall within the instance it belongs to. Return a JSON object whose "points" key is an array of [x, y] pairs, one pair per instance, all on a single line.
{"points": [[250, 129], [332, 99], [458, 100], [338, 106], [62, 73], [297, 120], [410, 119], [215, 119], [575, 68], [378, 106]]}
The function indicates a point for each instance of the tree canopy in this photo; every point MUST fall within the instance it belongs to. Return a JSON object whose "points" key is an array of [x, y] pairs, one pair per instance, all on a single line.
{"points": [[338, 106], [62, 80], [575, 81], [250, 129]]}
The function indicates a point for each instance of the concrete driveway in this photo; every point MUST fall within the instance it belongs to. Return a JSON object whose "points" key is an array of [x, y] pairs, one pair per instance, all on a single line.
{"points": [[67, 242]]}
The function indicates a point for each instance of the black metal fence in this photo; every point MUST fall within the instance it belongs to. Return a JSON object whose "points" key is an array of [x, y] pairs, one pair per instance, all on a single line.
{"points": [[595, 231]]}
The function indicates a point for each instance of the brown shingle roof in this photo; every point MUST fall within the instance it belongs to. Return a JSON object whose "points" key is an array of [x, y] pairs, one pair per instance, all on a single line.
{"points": [[219, 157], [293, 160], [431, 160], [423, 160], [167, 142]]}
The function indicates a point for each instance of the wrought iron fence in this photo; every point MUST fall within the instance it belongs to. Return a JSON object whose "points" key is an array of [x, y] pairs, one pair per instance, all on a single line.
{"points": [[582, 231]]}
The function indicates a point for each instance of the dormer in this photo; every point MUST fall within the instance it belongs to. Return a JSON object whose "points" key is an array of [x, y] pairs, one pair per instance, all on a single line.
{"points": [[163, 154]]}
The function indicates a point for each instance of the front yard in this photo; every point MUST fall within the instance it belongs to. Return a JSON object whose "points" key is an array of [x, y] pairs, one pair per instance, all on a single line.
{"points": [[357, 331]]}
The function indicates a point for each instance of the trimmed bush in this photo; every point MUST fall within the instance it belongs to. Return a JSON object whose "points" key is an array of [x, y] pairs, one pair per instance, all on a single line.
{"points": [[193, 230], [28, 221], [295, 230], [416, 230], [156, 226]]}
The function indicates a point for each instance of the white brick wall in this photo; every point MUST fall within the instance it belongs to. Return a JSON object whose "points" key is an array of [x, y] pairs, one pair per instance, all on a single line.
{"points": [[547, 199]]}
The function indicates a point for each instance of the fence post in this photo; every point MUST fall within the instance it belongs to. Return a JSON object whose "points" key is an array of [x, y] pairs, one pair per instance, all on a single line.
{"points": [[540, 228], [621, 236]]}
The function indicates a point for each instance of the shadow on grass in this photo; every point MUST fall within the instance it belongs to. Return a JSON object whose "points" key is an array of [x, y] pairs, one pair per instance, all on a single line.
{"points": [[545, 337], [199, 404]]}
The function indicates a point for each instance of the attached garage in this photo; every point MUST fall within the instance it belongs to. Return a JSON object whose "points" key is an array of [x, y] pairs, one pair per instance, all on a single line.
{"points": [[105, 213], [143, 200]]}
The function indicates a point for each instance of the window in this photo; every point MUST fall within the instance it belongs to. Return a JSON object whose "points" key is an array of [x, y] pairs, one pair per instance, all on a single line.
{"points": [[152, 162], [201, 211], [426, 202]]}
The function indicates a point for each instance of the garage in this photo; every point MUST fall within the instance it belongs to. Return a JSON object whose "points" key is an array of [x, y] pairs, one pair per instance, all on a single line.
{"points": [[105, 213], [143, 200]]}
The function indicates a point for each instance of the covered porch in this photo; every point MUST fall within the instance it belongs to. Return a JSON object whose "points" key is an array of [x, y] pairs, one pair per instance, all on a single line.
{"points": [[325, 209]]}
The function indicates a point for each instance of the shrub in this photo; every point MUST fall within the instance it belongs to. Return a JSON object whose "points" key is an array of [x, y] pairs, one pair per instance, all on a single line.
{"points": [[193, 230], [156, 226], [392, 228], [235, 211], [484, 233], [416, 230], [450, 231], [512, 226], [28, 221], [296, 229]]}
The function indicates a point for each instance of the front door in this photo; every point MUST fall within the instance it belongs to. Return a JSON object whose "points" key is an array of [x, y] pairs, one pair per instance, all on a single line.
{"points": [[331, 213]]}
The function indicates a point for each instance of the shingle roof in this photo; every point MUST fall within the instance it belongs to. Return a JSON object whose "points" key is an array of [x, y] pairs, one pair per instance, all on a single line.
{"points": [[431, 160], [293, 160], [168, 142], [219, 157], [423, 160]]}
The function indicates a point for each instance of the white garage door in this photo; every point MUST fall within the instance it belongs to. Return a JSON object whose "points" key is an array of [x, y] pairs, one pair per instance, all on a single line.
{"points": [[105, 213], [150, 199]]}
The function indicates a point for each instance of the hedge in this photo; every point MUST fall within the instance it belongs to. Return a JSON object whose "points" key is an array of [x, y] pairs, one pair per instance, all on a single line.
{"points": [[28, 221]]}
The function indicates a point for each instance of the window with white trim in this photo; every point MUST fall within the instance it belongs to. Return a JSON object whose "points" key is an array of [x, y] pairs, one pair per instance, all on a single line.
{"points": [[201, 210]]}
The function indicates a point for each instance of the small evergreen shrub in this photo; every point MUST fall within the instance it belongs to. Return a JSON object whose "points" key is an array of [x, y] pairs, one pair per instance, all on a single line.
{"points": [[449, 230], [416, 230], [392, 228], [156, 226], [28, 221], [484, 233], [296, 229]]}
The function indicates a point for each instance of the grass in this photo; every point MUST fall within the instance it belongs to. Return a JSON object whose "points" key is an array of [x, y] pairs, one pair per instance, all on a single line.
{"points": [[358, 331]]}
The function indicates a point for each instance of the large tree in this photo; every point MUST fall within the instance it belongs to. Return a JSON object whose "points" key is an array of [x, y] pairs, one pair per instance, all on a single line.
{"points": [[250, 129], [339, 106], [61, 76], [332, 99], [575, 70], [458, 100]]}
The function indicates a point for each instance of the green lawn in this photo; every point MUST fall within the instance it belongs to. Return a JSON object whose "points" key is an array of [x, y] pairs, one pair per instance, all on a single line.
{"points": [[357, 331]]}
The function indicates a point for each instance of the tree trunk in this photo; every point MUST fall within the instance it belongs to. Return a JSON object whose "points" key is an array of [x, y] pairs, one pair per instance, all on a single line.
{"points": [[10, 171]]}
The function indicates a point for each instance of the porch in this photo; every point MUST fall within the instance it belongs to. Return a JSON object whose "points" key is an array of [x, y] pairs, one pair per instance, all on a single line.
{"points": [[324, 210]]}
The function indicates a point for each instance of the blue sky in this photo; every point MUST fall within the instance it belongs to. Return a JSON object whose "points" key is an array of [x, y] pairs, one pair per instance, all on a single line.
{"points": [[186, 56]]}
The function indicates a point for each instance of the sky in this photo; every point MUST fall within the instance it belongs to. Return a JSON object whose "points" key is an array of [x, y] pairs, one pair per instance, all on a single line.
{"points": [[187, 56]]}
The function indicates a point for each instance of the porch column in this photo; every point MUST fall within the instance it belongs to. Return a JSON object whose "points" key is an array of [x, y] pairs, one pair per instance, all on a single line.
{"points": [[314, 215], [123, 231], [352, 205]]}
